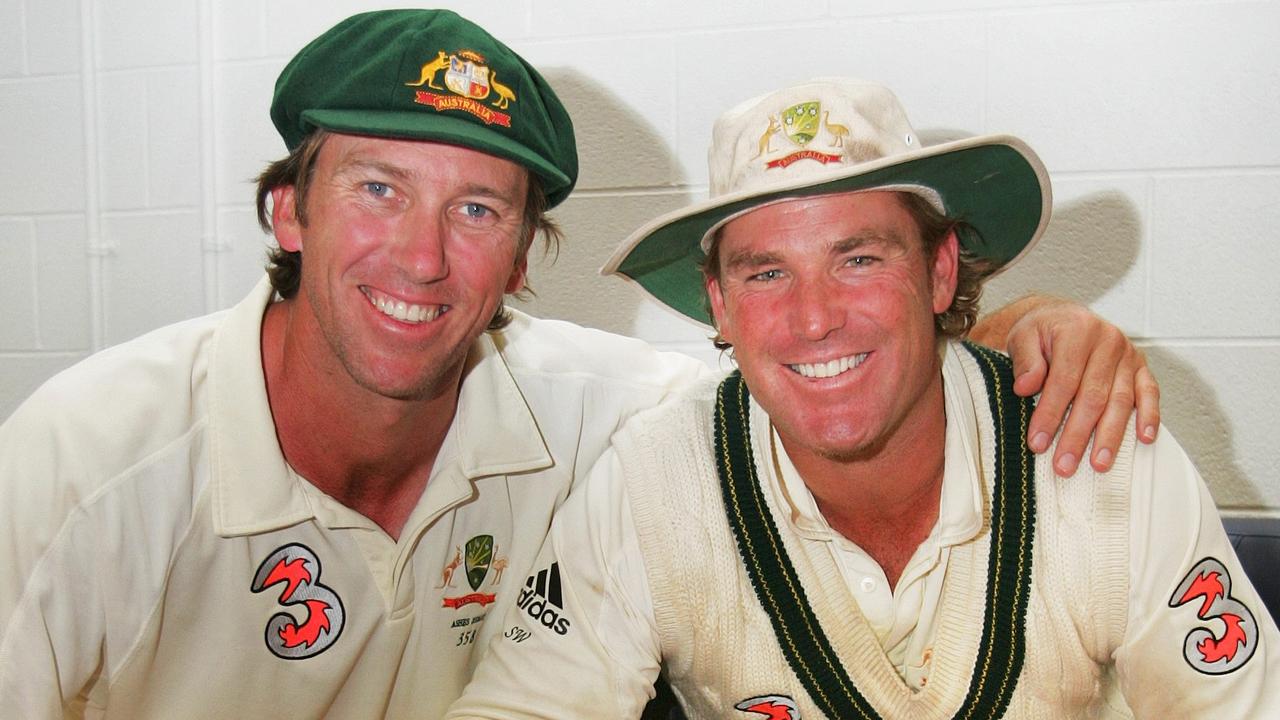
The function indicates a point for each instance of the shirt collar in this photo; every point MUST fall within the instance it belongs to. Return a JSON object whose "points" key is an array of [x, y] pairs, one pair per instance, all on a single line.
{"points": [[960, 506], [252, 487], [497, 433]]}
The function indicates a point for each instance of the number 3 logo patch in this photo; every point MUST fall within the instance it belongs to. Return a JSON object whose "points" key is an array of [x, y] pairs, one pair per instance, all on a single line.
{"points": [[1205, 650], [299, 569]]}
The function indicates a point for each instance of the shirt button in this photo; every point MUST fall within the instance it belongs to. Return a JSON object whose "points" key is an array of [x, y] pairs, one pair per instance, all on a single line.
{"points": [[868, 584]]}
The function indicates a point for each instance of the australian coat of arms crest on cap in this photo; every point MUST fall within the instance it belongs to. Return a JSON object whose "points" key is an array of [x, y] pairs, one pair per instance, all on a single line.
{"points": [[801, 124], [470, 85]]}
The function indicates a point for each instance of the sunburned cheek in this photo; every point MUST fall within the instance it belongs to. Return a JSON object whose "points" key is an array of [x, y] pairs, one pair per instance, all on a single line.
{"points": [[365, 237]]}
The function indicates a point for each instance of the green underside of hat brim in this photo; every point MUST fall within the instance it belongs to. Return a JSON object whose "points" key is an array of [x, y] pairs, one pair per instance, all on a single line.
{"points": [[991, 187], [442, 128]]}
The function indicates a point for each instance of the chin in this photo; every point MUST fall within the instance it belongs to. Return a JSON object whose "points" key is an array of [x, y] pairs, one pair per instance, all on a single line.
{"points": [[400, 384], [848, 446]]}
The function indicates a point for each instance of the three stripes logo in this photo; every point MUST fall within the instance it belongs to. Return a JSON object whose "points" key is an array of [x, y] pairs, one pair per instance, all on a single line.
{"points": [[542, 600]]}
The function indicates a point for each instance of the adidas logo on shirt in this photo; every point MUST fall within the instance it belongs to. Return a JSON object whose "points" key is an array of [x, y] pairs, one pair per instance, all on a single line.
{"points": [[541, 599]]}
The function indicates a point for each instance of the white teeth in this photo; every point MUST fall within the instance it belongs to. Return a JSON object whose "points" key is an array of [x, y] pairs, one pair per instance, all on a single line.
{"points": [[831, 368], [404, 312]]}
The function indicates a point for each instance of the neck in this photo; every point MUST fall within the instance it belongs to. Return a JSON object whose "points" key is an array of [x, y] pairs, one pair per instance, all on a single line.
{"points": [[879, 501], [369, 452]]}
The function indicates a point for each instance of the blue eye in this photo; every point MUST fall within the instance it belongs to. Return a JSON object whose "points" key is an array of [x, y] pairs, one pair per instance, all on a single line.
{"points": [[476, 210], [767, 275], [378, 189]]}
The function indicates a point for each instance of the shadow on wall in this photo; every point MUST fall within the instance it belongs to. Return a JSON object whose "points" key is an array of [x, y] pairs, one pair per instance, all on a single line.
{"points": [[622, 159], [1204, 431], [1092, 243]]}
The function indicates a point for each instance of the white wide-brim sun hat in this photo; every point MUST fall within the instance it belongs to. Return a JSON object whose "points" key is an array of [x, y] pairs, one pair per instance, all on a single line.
{"points": [[829, 136]]}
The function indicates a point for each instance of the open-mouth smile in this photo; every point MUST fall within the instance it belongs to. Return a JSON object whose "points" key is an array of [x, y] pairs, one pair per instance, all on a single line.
{"points": [[401, 310], [829, 369]]}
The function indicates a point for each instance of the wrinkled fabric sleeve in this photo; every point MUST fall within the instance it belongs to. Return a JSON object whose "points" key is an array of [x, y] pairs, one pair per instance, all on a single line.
{"points": [[52, 618], [1187, 583]]}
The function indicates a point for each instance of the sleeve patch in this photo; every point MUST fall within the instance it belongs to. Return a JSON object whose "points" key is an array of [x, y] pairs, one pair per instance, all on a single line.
{"points": [[1231, 638]]}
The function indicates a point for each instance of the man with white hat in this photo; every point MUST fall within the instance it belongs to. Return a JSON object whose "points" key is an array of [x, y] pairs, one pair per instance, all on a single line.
{"points": [[851, 526]]}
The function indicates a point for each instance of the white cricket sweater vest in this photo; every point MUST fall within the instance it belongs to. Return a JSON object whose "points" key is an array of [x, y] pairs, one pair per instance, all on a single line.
{"points": [[718, 644]]}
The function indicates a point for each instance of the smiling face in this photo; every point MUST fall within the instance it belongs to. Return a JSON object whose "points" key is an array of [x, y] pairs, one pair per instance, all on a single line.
{"points": [[829, 304], [408, 249]]}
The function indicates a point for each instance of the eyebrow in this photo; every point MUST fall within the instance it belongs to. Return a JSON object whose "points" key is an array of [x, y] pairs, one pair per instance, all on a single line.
{"points": [[358, 163], [403, 174], [748, 259], [753, 259], [867, 237]]}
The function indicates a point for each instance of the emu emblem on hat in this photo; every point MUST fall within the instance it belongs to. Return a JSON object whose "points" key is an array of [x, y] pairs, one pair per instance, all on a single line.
{"points": [[801, 122]]}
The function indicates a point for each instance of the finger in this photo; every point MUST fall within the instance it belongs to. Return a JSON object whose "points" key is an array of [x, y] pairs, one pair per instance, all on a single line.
{"points": [[1072, 353], [1148, 397], [1112, 360], [1087, 408], [1059, 387], [1109, 433], [1028, 379], [1029, 365]]}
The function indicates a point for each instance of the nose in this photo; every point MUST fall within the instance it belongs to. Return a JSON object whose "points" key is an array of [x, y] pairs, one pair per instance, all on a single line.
{"points": [[817, 310], [421, 248]]}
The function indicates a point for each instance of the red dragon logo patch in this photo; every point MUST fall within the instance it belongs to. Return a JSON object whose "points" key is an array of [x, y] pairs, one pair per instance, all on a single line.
{"points": [[772, 707], [298, 569], [1211, 653]]}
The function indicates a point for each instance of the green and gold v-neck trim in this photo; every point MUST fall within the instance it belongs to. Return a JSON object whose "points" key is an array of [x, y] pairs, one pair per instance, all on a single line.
{"points": [[797, 628]]}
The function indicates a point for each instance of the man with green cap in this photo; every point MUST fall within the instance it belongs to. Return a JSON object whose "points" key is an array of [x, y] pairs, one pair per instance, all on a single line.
{"points": [[851, 525], [311, 504]]}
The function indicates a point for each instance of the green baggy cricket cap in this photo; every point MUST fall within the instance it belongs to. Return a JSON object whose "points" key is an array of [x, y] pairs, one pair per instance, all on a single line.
{"points": [[428, 75]]}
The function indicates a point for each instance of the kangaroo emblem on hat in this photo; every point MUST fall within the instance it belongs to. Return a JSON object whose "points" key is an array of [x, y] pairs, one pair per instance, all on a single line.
{"points": [[774, 127], [429, 71]]}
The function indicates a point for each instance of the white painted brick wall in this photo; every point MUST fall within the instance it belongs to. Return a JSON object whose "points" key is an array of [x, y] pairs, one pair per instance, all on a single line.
{"points": [[146, 33], [62, 284], [1218, 233], [17, 284], [41, 145], [51, 36], [1160, 121]]}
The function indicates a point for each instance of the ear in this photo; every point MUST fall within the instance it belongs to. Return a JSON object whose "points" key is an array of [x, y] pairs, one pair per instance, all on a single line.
{"points": [[284, 218], [718, 312], [946, 264], [519, 273]]}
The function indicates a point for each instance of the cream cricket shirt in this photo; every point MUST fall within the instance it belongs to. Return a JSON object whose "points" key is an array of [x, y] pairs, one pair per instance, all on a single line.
{"points": [[160, 559]]}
